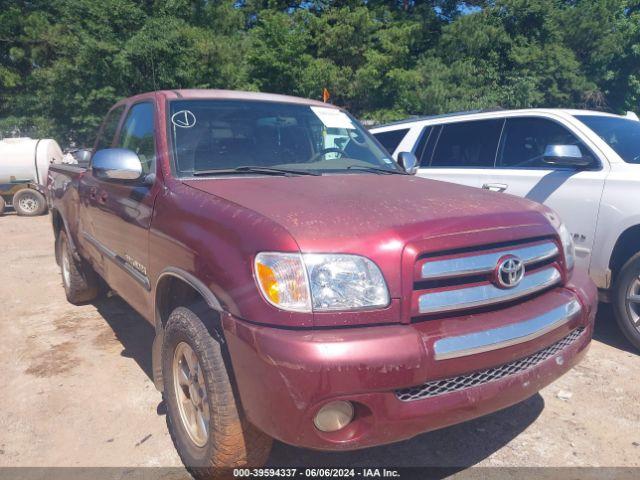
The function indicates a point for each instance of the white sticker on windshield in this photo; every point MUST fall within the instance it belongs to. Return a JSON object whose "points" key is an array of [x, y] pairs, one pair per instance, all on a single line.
{"points": [[333, 118], [183, 119]]}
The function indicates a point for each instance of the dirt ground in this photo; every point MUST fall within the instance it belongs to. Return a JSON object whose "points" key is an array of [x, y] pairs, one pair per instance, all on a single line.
{"points": [[77, 389]]}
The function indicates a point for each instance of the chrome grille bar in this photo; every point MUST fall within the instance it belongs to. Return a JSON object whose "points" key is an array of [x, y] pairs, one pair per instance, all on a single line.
{"points": [[487, 294], [486, 262], [506, 336]]}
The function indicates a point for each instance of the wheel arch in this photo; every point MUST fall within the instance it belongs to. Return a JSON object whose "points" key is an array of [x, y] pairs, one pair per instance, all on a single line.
{"points": [[627, 245], [59, 223], [176, 287]]}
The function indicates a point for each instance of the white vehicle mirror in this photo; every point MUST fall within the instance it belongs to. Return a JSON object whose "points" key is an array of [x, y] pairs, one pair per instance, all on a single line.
{"points": [[565, 156]]}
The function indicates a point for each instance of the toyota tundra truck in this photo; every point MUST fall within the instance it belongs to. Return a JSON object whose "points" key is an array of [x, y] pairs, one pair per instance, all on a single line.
{"points": [[305, 287]]}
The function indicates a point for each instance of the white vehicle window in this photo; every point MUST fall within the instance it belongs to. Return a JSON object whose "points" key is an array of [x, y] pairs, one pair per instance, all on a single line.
{"points": [[468, 144], [391, 138], [525, 139], [622, 134], [424, 147]]}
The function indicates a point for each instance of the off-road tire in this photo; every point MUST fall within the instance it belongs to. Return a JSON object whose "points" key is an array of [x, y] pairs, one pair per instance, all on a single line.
{"points": [[2, 205], [627, 274], [232, 441], [81, 284], [37, 199]]}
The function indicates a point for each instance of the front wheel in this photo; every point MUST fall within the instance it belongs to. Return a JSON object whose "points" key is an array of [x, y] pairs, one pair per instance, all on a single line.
{"points": [[626, 300], [29, 203], [204, 417]]}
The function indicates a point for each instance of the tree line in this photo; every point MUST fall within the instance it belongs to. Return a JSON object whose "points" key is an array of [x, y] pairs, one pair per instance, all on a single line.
{"points": [[63, 63]]}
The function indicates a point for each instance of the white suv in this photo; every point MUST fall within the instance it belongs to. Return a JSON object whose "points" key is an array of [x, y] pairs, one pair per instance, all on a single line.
{"points": [[583, 164]]}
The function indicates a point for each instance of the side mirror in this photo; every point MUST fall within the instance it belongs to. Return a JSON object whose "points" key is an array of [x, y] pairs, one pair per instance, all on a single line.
{"points": [[116, 164], [409, 162], [83, 156], [565, 156]]}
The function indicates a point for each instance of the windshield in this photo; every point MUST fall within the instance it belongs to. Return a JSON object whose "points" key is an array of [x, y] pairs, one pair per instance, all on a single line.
{"points": [[212, 137], [622, 134]]}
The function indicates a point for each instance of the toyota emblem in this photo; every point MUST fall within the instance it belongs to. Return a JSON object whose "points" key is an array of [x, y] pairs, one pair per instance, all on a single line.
{"points": [[509, 271]]}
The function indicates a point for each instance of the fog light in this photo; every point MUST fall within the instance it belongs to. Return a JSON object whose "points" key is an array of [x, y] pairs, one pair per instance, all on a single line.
{"points": [[334, 416]]}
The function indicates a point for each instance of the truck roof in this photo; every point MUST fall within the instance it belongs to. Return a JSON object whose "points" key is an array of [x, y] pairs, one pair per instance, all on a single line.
{"points": [[195, 93]]}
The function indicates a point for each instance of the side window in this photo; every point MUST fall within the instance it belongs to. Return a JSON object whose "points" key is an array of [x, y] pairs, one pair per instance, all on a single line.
{"points": [[424, 148], [525, 139], [391, 139], [137, 134], [109, 127], [468, 144]]}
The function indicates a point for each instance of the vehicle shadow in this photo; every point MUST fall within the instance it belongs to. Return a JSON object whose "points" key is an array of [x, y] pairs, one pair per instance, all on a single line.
{"points": [[548, 184], [131, 329], [453, 448], [607, 331]]}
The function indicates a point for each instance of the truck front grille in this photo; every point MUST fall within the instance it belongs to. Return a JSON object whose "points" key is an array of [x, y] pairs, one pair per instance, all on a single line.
{"points": [[448, 385], [458, 281]]}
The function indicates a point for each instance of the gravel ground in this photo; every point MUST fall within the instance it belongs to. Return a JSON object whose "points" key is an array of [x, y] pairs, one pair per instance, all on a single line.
{"points": [[77, 389]]}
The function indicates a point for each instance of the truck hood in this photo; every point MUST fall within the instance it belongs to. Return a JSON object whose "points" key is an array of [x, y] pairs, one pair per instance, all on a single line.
{"points": [[344, 212], [392, 219]]}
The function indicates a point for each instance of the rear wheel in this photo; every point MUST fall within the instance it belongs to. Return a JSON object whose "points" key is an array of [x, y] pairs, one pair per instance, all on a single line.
{"points": [[2, 205], [80, 281], [204, 417], [626, 290], [29, 203]]}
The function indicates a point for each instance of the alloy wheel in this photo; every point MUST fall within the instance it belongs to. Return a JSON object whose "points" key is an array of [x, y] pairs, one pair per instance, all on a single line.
{"points": [[633, 302], [191, 394]]}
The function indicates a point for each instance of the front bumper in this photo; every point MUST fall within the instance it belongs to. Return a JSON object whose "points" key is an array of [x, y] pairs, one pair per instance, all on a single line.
{"points": [[285, 376]]}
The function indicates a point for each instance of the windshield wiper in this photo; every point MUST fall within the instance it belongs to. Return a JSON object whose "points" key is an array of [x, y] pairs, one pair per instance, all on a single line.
{"points": [[255, 169], [376, 170]]}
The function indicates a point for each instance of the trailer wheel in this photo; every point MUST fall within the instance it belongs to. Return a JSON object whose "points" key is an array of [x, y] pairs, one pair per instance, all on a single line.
{"points": [[80, 281], [204, 416], [29, 203], [2, 205]]}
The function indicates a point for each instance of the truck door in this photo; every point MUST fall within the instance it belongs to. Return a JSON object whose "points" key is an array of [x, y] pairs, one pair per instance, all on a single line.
{"points": [[87, 188], [574, 193], [459, 152], [122, 211]]}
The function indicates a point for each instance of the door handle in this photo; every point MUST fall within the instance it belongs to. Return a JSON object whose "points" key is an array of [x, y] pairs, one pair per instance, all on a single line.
{"points": [[495, 187]]}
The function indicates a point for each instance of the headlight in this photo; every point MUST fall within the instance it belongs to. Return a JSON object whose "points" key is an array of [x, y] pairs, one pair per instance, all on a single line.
{"points": [[345, 282], [567, 245], [320, 282], [283, 280]]}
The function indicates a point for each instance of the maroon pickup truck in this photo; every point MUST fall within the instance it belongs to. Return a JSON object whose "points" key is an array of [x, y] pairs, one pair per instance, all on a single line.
{"points": [[305, 287]]}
